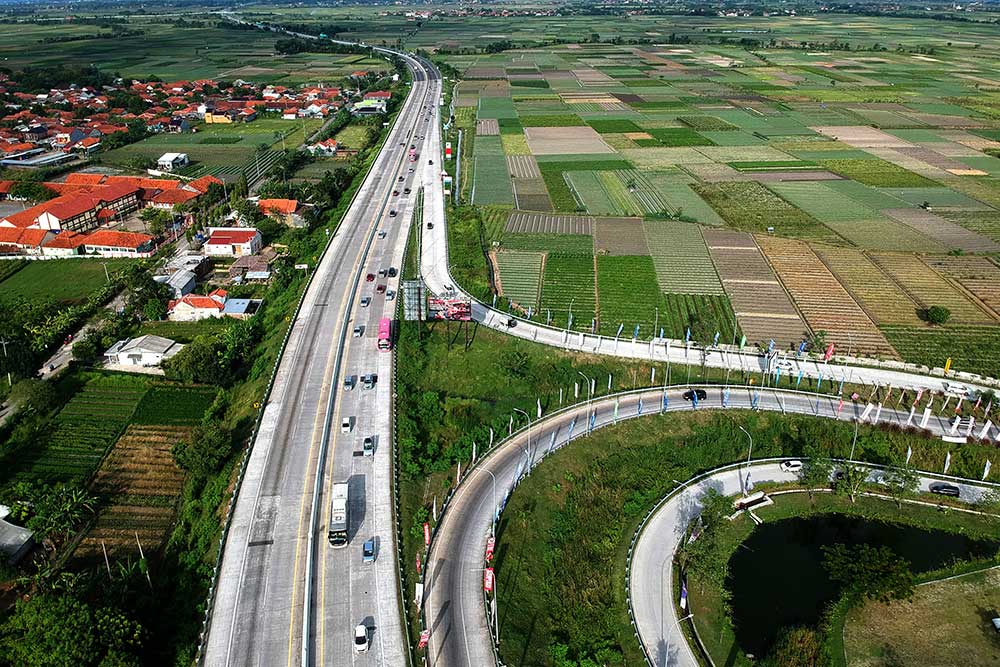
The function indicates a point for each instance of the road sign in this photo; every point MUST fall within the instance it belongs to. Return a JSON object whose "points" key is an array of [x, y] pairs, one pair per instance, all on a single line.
{"points": [[414, 295], [454, 308]]}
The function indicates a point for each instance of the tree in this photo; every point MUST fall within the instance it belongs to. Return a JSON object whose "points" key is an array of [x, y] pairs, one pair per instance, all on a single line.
{"points": [[937, 315], [153, 310], [819, 340], [49, 631], [32, 394], [900, 482], [869, 572], [32, 191], [203, 453], [155, 219], [817, 471], [850, 480]]}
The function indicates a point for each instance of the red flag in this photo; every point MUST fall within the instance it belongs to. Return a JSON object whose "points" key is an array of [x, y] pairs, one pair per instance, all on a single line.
{"points": [[488, 580], [958, 407], [418, 563], [920, 393], [490, 546], [829, 352], [978, 401], [425, 636], [840, 407], [427, 534]]}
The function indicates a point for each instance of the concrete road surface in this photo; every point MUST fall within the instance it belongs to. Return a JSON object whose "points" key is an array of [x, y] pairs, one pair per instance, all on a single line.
{"points": [[279, 579], [453, 602]]}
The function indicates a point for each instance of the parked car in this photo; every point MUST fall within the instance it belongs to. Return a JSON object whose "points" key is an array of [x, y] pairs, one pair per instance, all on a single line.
{"points": [[368, 551], [361, 638], [390, 295], [370, 277], [391, 271], [380, 289], [359, 331], [381, 233], [368, 446], [366, 301], [690, 394], [347, 424], [792, 465], [368, 381], [945, 489], [350, 381]]}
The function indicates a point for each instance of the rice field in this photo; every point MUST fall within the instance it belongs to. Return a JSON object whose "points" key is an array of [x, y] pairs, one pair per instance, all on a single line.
{"points": [[680, 257], [877, 293], [568, 287], [520, 276]]}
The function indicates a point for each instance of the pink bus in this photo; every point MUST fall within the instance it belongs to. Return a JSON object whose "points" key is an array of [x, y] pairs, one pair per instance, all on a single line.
{"points": [[385, 334]]}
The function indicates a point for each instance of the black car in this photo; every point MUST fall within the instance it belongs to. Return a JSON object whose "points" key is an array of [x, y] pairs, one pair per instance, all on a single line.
{"points": [[690, 394], [392, 272], [943, 489]]}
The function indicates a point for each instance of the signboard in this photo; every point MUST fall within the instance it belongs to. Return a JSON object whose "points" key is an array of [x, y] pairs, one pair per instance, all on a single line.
{"points": [[413, 300], [490, 546], [488, 580], [427, 534], [440, 308], [425, 636], [301, 267], [447, 150]]}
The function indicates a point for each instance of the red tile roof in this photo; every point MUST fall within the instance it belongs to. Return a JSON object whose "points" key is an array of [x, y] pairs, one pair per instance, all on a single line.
{"points": [[22, 237], [66, 239], [231, 235], [112, 239], [196, 301], [202, 184], [174, 197], [279, 206]]}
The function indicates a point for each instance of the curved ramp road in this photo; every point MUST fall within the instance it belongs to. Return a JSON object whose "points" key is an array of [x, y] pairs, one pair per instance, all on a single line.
{"points": [[283, 596], [453, 601]]}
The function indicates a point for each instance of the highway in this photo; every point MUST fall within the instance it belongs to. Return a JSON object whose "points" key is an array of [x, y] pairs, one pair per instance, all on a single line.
{"points": [[283, 595], [453, 602]]}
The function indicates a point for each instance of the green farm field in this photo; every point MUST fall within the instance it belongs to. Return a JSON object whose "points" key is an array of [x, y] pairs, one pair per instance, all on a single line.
{"points": [[65, 281]]}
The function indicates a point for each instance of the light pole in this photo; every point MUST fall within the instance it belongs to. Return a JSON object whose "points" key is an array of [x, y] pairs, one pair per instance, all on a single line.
{"points": [[527, 450], [855, 441], [493, 524], [749, 454], [569, 324], [590, 396]]}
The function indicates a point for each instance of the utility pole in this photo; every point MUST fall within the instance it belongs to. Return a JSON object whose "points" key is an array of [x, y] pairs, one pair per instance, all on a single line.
{"points": [[4, 342]]}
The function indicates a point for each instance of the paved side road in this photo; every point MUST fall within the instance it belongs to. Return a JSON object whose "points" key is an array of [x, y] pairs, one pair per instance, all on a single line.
{"points": [[453, 600]]}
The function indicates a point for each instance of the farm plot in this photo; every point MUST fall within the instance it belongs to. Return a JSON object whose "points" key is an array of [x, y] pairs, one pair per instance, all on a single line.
{"points": [[521, 222], [82, 431], [619, 236], [588, 188], [822, 300], [173, 405], [565, 141], [531, 194], [568, 287], [523, 166], [881, 298], [139, 484], [977, 274], [752, 207], [680, 257], [948, 234], [491, 182], [877, 173], [762, 308], [520, 275], [629, 295], [972, 349], [928, 288], [564, 244]]}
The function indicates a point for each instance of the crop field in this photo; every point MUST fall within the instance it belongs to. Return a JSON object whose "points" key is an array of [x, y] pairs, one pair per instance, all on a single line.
{"points": [[521, 222], [928, 288], [568, 287], [520, 275], [169, 405], [82, 431], [66, 281], [564, 244], [971, 348], [873, 154], [680, 257], [822, 300], [979, 275]]}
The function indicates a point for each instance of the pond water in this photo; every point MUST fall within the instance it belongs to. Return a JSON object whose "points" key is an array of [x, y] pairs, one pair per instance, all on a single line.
{"points": [[777, 578]]}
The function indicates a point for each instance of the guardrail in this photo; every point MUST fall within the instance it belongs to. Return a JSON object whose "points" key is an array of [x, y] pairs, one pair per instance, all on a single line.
{"points": [[248, 445]]}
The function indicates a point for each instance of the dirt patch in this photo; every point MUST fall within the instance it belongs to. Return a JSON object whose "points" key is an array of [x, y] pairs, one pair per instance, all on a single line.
{"points": [[638, 135], [628, 98], [620, 236], [523, 166], [539, 223], [862, 136], [487, 127], [565, 140]]}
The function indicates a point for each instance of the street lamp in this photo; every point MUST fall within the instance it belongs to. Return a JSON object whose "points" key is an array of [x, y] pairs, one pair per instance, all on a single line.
{"points": [[749, 454], [527, 450], [855, 441], [590, 396]]}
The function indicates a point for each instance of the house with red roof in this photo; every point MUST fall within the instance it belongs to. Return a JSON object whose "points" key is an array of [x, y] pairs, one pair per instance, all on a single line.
{"points": [[325, 148], [27, 241], [108, 243], [64, 244], [194, 307], [283, 210], [233, 241]]}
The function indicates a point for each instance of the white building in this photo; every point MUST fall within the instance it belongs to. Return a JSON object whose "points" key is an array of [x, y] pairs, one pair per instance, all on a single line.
{"points": [[143, 351], [171, 161], [232, 241]]}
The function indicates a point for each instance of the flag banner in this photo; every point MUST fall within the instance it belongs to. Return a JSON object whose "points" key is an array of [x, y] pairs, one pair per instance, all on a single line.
{"points": [[986, 469], [684, 596], [819, 381], [576, 390], [694, 398], [616, 409], [802, 347], [491, 437], [427, 534], [661, 334], [972, 425], [840, 387], [947, 400], [635, 333], [902, 395], [868, 411], [828, 353], [958, 406], [488, 580], [418, 562], [770, 346], [640, 405], [593, 418], [434, 509], [840, 407], [878, 413], [572, 425], [569, 323], [947, 365], [747, 484], [909, 453], [491, 545], [756, 398], [925, 418], [620, 327], [954, 425], [609, 381], [510, 425], [989, 406], [473, 451], [552, 442], [560, 396], [687, 335], [913, 411], [798, 380], [743, 341], [664, 401], [652, 375], [725, 398], [715, 341], [920, 394], [777, 374], [458, 474], [978, 401], [947, 463], [888, 395], [538, 402], [425, 635], [986, 430]]}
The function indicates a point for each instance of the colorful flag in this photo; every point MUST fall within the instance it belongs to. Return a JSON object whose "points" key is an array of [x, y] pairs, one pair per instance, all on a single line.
{"points": [[802, 346], [664, 401], [616, 409], [725, 398], [798, 380], [947, 463], [687, 335], [909, 453], [978, 401], [640, 405], [777, 374], [989, 406], [920, 393], [947, 365], [770, 346], [743, 341], [986, 470], [684, 596], [635, 333], [958, 406], [840, 407], [694, 398], [819, 381], [538, 402], [829, 352], [593, 418], [716, 340]]}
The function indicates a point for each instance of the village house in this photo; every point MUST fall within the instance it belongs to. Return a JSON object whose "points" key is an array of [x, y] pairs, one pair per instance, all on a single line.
{"points": [[232, 241], [144, 351], [325, 148], [107, 243], [282, 210], [172, 161], [194, 307]]}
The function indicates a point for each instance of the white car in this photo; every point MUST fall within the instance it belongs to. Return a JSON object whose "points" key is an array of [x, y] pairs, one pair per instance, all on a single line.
{"points": [[347, 424], [791, 465], [361, 638]]}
